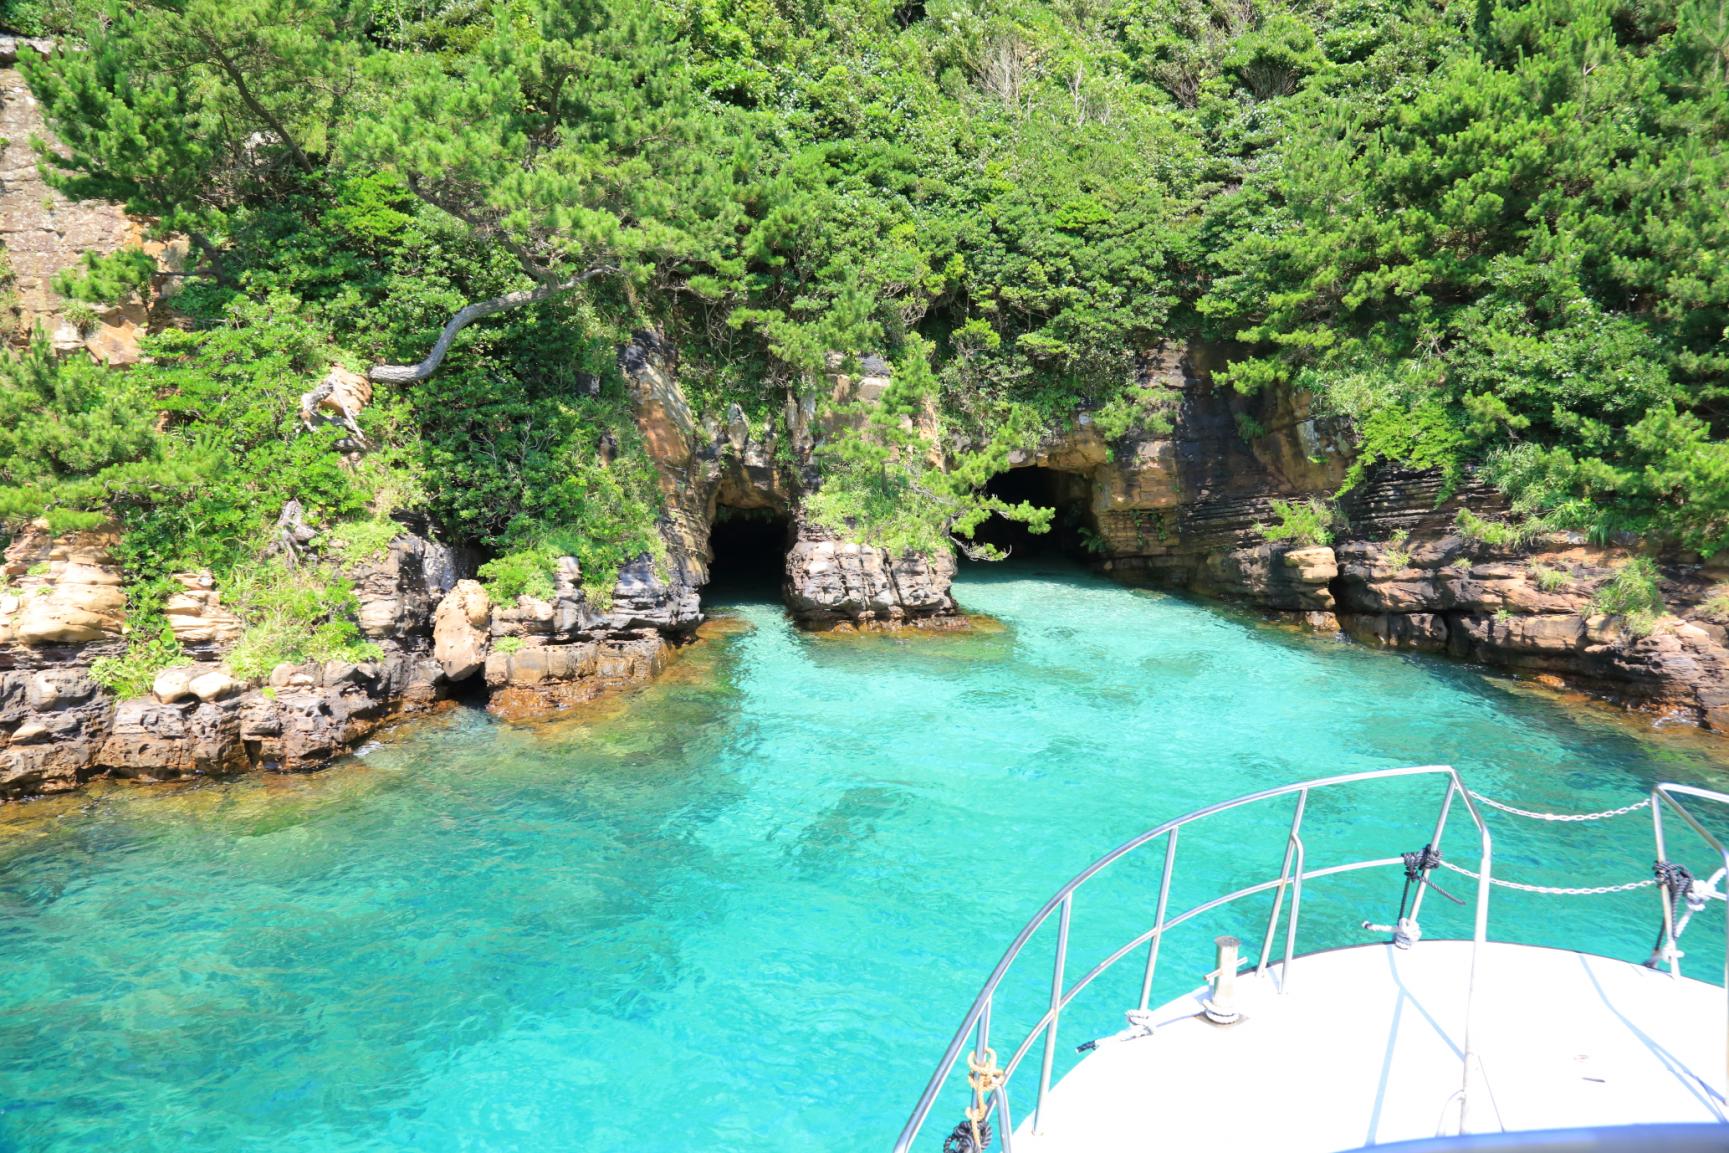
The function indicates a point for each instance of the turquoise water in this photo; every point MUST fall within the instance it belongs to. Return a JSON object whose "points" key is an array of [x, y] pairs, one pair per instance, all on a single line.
{"points": [[745, 909]]}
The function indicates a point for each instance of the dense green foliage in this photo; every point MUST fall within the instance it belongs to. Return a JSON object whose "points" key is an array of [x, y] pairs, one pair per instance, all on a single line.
{"points": [[1517, 256], [1487, 235]]}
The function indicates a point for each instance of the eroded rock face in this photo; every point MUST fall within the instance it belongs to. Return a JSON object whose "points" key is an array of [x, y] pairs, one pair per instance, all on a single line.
{"points": [[726, 462], [534, 679], [61, 591], [42, 232], [326, 710], [52, 724], [201, 623], [155, 741], [647, 598], [399, 591], [59, 728], [1532, 611]]}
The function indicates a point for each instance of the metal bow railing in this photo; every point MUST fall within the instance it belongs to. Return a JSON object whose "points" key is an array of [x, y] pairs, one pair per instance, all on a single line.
{"points": [[1292, 876], [1669, 794]]}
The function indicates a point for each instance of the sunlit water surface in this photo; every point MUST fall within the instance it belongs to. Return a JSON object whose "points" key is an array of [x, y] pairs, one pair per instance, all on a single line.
{"points": [[744, 909]]}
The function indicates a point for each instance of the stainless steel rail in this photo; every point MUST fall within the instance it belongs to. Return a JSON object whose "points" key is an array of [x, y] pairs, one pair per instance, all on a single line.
{"points": [[1291, 878], [1670, 794]]}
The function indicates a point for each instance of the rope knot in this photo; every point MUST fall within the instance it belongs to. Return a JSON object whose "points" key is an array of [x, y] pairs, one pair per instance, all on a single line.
{"points": [[983, 1074], [1420, 862], [1673, 876], [974, 1134]]}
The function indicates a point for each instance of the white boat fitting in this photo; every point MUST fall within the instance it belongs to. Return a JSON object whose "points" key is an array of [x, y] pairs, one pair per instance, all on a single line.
{"points": [[1453, 1044]]}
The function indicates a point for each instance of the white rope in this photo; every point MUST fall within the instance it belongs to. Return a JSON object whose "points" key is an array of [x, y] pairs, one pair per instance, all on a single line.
{"points": [[1555, 890], [1536, 816]]}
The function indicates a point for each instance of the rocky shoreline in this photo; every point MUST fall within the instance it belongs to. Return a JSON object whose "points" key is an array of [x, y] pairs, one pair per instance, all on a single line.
{"points": [[438, 633], [1181, 510]]}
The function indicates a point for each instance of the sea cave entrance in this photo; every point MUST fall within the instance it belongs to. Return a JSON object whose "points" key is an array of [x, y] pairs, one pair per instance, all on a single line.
{"points": [[1069, 493], [748, 547]]}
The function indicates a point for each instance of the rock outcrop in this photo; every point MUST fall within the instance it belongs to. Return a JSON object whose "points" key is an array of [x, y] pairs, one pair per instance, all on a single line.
{"points": [[64, 609], [834, 581], [61, 591], [460, 638], [726, 463], [1532, 610]]}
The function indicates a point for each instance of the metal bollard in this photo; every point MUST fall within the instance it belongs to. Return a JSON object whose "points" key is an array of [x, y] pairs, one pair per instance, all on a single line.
{"points": [[1221, 1007]]}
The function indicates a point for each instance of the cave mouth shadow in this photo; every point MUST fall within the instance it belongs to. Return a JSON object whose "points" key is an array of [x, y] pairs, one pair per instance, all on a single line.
{"points": [[1069, 493], [748, 548]]}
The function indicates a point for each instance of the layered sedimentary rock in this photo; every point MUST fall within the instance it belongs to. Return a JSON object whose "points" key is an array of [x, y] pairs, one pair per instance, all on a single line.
{"points": [[1188, 509], [1532, 611], [64, 609], [61, 591], [834, 581], [546, 653], [58, 727]]}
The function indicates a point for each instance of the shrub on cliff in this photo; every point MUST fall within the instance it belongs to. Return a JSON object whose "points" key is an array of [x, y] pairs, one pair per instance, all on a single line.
{"points": [[1522, 255], [886, 482], [1302, 522], [1633, 595], [77, 440]]}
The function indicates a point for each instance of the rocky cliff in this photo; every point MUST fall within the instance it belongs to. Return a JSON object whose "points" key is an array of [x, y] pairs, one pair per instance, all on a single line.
{"points": [[43, 232], [708, 466], [1186, 509]]}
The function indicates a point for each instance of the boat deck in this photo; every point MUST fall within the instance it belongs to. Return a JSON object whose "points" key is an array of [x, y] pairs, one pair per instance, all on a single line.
{"points": [[1367, 1048]]}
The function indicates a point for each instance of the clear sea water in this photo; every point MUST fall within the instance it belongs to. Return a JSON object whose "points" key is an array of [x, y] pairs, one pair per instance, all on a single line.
{"points": [[744, 908]]}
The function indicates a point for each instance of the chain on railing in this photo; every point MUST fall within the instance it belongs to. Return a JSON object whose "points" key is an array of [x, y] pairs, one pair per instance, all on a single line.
{"points": [[1539, 816], [1552, 890]]}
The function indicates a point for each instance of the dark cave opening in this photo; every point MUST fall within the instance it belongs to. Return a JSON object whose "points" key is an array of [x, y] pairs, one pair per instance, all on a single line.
{"points": [[748, 550], [1069, 493]]}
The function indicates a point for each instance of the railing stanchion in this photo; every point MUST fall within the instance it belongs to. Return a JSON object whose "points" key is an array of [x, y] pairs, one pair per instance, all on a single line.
{"points": [[1669, 950], [1435, 841], [1479, 935], [1005, 1123], [1296, 911], [1284, 880], [1056, 1011], [1159, 918], [984, 1038]]}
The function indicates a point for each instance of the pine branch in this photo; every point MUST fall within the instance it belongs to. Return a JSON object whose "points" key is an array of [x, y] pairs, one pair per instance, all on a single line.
{"points": [[413, 373]]}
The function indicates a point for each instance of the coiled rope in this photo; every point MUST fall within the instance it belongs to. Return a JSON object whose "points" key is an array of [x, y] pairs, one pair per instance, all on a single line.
{"points": [[974, 1134], [1682, 889]]}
